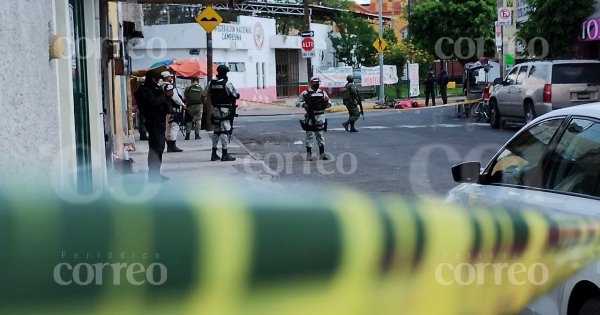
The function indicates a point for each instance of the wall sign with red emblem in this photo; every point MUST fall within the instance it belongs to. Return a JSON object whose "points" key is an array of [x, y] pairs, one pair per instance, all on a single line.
{"points": [[259, 35]]}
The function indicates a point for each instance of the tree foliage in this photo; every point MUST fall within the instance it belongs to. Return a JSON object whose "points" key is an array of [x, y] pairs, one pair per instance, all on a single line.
{"points": [[354, 42], [548, 21], [175, 14], [473, 20]]}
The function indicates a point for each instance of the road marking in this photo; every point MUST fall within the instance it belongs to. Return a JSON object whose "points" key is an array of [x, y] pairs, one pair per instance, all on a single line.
{"points": [[411, 126], [375, 127]]}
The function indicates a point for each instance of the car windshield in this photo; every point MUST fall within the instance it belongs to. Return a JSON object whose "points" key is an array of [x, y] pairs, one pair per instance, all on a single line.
{"points": [[517, 163], [576, 73]]}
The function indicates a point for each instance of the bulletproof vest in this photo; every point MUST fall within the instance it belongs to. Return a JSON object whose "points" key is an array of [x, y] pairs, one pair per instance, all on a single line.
{"points": [[218, 93], [316, 102], [194, 95]]}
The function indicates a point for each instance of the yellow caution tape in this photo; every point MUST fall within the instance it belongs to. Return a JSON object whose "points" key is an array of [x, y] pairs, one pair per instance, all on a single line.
{"points": [[222, 249]]}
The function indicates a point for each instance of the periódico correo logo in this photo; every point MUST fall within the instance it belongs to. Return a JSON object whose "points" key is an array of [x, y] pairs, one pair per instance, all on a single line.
{"points": [[94, 274]]}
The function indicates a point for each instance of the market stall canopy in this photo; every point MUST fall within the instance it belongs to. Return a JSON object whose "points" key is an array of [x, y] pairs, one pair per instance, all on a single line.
{"points": [[142, 72], [191, 67], [162, 63]]}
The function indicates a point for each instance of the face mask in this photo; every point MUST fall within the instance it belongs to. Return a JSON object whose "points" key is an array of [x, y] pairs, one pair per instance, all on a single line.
{"points": [[315, 86]]}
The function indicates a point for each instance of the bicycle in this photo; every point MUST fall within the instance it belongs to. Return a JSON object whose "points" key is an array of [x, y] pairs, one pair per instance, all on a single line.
{"points": [[479, 111]]}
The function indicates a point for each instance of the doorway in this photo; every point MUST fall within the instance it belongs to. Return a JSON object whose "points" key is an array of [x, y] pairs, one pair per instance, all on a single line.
{"points": [[287, 72]]}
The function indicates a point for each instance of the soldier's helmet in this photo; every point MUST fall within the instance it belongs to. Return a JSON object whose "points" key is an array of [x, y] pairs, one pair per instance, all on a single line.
{"points": [[222, 69], [315, 79], [350, 78]]}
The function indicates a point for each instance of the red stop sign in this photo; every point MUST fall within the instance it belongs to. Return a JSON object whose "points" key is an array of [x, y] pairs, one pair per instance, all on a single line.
{"points": [[308, 44]]}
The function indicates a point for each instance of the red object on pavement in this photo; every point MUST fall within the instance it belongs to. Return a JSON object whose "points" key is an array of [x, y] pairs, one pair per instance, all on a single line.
{"points": [[409, 103]]}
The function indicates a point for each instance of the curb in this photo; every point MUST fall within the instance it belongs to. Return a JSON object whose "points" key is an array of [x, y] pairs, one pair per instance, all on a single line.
{"points": [[373, 106]]}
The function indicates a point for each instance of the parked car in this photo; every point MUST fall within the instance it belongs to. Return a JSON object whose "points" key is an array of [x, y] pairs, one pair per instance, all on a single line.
{"points": [[552, 164], [534, 88], [364, 91]]}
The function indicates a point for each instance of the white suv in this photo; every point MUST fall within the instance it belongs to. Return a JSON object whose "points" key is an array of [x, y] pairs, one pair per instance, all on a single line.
{"points": [[534, 88]]}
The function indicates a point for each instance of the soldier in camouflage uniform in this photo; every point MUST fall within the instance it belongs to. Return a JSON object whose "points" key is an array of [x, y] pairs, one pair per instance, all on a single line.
{"points": [[351, 100], [194, 95], [314, 101], [222, 96]]}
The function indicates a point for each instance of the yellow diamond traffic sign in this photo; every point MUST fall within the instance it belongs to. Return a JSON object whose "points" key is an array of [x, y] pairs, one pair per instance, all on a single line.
{"points": [[209, 19], [379, 44]]}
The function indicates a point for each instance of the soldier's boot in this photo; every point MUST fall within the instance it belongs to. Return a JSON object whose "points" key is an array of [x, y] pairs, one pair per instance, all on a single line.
{"points": [[345, 124], [214, 156], [187, 135], [352, 129], [309, 154], [322, 154], [226, 157], [197, 135], [172, 147]]}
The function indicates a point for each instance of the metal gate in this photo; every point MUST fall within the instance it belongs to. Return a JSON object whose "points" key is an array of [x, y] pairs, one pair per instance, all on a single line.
{"points": [[286, 71]]}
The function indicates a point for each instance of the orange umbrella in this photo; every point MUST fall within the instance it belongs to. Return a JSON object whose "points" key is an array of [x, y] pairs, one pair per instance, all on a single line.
{"points": [[191, 67]]}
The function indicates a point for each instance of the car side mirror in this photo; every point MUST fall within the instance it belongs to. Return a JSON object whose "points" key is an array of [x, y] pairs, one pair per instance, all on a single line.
{"points": [[498, 81], [467, 172]]}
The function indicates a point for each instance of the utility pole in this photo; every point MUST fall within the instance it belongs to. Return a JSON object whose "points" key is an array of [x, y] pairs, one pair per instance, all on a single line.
{"points": [[381, 89], [307, 28], [393, 25], [209, 75]]}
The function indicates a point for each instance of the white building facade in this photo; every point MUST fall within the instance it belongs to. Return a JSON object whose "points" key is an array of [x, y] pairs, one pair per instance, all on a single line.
{"points": [[58, 113], [261, 61]]}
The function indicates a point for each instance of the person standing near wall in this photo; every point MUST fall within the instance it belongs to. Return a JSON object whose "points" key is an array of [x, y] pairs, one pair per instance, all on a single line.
{"points": [[154, 105]]}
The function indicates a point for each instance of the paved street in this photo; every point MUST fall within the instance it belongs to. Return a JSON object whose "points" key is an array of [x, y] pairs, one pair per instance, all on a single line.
{"points": [[404, 151]]}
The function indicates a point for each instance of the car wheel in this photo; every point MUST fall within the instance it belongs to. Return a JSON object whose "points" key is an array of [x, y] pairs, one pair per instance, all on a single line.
{"points": [[529, 112], [495, 118], [590, 307]]}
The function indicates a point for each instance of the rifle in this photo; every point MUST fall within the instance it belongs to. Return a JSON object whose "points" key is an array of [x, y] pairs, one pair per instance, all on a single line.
{"points": [[359, 101], [232, 115]]}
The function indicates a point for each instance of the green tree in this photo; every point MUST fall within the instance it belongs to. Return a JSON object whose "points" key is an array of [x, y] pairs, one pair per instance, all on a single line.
{"points": [[548, 21], [175, 14], [354, 42], [441, 24]]}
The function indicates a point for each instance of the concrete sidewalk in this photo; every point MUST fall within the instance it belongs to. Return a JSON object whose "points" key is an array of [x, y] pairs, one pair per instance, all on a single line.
{"points": [[194, 162]]}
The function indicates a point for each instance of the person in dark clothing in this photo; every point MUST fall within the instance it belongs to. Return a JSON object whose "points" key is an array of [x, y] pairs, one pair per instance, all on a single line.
{"points": [[430, 89], [154, 107], [443, 80]]}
